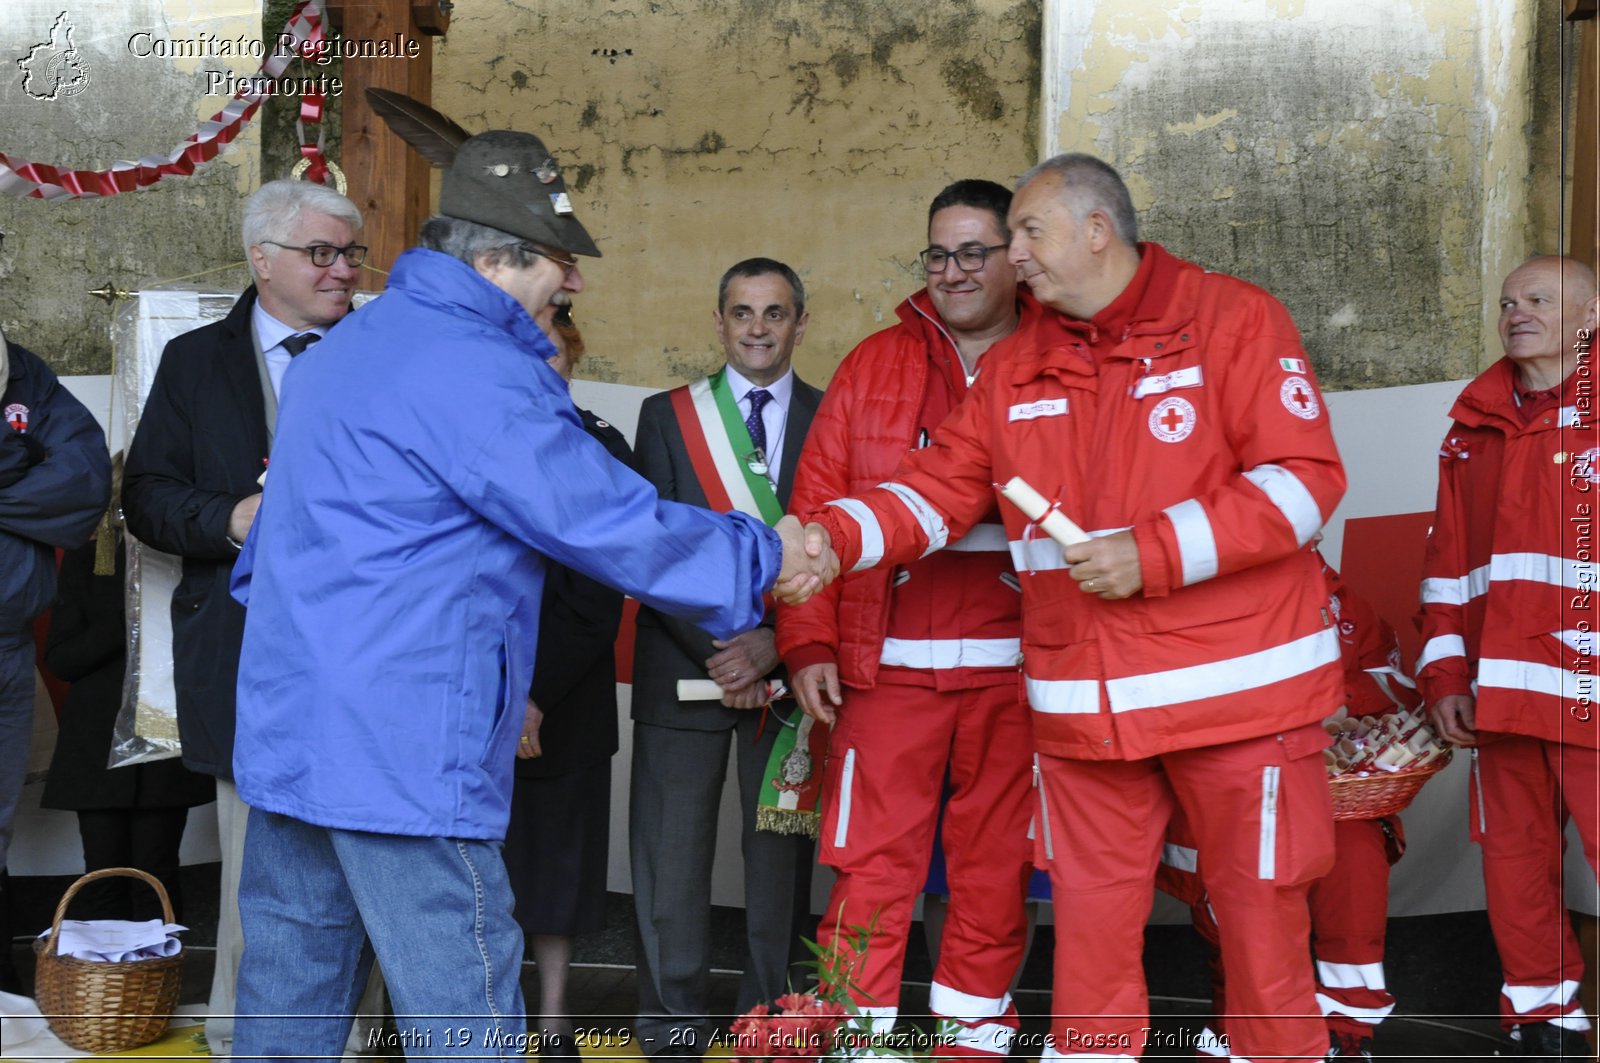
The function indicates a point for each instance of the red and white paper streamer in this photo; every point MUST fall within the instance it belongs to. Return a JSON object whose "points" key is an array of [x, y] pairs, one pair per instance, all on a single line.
{"points": [[306, 27]]}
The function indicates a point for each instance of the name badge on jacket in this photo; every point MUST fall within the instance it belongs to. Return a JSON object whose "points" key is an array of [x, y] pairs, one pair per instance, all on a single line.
{"points": [[1158, 385], [1027, 411]]}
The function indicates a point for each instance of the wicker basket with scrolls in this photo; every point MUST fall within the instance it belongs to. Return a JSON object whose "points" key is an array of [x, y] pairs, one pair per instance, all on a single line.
{"points": [[106, 1007], [1374, 794]]}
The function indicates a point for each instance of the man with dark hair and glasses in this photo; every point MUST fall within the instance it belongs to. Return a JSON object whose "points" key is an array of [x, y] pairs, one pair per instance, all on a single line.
{"points": [[928, 651], [1182, 655], [728, 441], [192, 484]]}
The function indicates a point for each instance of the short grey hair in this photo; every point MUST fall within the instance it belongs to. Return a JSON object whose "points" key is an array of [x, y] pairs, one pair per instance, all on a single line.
{"points": [[470, 241], [272, 212], [1088, 185], [760, 267]]}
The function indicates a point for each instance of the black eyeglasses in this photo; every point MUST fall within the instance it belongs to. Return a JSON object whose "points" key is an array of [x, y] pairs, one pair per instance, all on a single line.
{"points": [[568, 264], [970, 259], [323, 255]]}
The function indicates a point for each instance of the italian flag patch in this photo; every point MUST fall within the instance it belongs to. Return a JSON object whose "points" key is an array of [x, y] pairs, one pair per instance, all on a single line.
{"points": [[1292, 365]]}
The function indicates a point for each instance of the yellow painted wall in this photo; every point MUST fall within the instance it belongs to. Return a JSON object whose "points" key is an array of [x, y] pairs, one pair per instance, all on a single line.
{"points": [[695, 134], [1378, 165]]}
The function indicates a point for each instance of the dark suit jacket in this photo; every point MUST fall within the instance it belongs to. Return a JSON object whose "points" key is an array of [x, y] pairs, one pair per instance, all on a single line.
{"points": [[575, 666], [665, 648], [200, 447]]}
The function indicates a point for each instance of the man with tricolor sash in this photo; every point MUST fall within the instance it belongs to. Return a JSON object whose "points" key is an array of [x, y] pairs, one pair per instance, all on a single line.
{"points": [[728, 442]]}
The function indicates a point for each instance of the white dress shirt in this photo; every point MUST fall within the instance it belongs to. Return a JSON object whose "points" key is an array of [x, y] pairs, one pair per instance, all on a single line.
{"points": [[272, 332], [774, 415]]}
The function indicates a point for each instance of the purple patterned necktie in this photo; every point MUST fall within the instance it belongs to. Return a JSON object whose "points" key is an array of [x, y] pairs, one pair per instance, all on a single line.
{"points": [[759, 397]]}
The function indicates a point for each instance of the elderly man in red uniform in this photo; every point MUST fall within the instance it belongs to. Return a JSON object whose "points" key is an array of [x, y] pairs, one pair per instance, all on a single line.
{"points": [[928, 649], [1185, 655], [1509, 622]]}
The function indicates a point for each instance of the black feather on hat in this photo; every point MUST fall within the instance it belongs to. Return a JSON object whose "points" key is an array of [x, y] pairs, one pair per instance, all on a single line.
{"points": [[503, 179]]}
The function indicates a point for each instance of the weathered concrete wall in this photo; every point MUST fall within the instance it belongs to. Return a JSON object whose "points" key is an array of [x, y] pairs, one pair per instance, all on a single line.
{"points": [[128, 106], [1369, 162], [699, 132]]}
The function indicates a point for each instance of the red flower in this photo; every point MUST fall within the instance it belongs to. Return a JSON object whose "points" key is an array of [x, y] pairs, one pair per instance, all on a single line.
{"points": [[805, 1028]]}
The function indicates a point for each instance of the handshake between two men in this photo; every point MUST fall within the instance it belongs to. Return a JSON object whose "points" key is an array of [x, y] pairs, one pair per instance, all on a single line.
{"points": [[809, 563]]}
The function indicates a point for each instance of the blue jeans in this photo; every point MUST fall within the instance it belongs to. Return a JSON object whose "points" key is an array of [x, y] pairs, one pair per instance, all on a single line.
{"points": [[436, 910]]}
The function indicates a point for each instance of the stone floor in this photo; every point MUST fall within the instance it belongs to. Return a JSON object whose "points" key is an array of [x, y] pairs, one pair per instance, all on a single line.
{"points": [[1442, 968]]}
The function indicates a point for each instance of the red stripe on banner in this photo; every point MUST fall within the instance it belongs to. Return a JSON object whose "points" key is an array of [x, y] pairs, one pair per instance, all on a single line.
{"points": [[49, 182], [1382, 561], [694, 441], [624, 644]]}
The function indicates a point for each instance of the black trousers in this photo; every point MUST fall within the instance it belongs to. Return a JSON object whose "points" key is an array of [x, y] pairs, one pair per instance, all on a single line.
{"points": [[145, 838]]}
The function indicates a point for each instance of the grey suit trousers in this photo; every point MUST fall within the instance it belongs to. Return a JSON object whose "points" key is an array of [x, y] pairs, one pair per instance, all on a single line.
{"points": [[674, 797]]}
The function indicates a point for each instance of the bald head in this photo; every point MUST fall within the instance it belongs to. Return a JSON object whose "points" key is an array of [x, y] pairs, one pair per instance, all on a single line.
{"points": [[1545, 304], [1073, 234]]}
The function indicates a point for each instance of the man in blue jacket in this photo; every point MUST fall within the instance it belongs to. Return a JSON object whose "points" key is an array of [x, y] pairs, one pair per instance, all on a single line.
{"points": [[427, 464], [55, 480]]}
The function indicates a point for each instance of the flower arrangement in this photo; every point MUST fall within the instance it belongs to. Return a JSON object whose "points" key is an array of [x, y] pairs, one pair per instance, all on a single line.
{"points": [[803, 1026], [822, 1024]]}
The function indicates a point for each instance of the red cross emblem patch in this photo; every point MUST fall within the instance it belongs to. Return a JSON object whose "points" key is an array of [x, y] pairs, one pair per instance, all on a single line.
{"points": [[1172, 420], [17, 416], [1299, 398]]}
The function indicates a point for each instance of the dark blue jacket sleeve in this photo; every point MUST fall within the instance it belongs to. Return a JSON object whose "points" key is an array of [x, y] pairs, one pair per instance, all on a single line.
{"points": [[59, 500]]}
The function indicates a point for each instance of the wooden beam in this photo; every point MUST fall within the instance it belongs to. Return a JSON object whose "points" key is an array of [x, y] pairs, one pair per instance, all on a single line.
{"points": [[387, 180], [1583, 212]]}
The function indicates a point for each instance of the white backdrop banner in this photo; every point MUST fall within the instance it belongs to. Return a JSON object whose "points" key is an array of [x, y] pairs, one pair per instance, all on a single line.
{"points": [[1389, 440]]}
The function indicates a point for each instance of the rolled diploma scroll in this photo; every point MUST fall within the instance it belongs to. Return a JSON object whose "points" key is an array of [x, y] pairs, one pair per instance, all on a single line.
{"points": [[707, 690], [1034, 506]]}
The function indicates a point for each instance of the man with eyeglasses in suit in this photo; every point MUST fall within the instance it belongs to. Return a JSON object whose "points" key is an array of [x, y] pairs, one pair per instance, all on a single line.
{"points": [[928, 651], [192, 484]]}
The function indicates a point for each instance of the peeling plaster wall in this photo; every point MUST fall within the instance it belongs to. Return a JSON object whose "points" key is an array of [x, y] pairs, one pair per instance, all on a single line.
{"points": [[129, 106], [696, 133], [1372, 163]]}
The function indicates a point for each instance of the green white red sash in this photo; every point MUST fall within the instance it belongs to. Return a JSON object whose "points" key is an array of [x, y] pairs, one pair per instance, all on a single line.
{"points": [[793, 779], [721, 453], [720, 449]]}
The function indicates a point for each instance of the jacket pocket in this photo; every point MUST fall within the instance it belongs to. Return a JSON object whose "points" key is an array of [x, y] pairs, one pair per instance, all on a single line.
{"points": [[511, 703], [1215, 601]]}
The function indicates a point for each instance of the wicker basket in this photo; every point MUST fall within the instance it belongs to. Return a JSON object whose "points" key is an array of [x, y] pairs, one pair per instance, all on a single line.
{"points": [[106, 1007], [1381, 793]]}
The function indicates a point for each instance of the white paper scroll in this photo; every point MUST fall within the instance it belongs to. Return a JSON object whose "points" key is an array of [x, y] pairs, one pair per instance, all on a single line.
{"points": [[1034, 505]]}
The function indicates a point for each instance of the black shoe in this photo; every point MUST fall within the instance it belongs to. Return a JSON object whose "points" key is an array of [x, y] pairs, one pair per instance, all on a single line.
{"points": [[1546, 1040], [1348, 1046]]}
